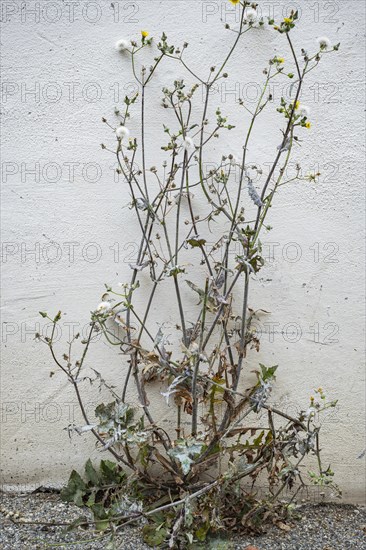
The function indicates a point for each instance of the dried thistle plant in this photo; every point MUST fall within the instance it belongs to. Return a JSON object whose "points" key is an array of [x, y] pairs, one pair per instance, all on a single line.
{"points": [[187, 478]]}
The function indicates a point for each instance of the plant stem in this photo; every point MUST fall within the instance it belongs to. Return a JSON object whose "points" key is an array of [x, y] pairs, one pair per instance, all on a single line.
{"points": [[197, 363]]}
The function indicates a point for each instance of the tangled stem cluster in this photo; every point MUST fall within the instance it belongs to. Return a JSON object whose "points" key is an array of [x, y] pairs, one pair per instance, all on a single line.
{"points": [[187, 479]]}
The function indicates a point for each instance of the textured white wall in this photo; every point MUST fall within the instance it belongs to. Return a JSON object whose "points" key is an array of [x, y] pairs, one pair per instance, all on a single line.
{"points": [[60, 76]]}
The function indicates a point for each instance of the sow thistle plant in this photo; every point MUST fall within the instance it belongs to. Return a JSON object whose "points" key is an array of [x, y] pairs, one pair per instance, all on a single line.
{"points": [[197, 474]]}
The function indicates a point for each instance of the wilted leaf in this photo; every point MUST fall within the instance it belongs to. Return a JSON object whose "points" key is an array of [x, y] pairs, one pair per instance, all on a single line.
{"points": [[283, 526], [140, 267], [141, 203]]}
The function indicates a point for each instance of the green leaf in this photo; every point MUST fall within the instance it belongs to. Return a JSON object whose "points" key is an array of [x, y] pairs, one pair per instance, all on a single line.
{"points": [[196, 242], [58, 317], [143, 455], [109, 470], [91, 500], [75, 489], [201, 533], [91, 473], [175, 271], [102, 525], [268, 373], [99, 511], [154, 536], [258, 440], [159, 517]]}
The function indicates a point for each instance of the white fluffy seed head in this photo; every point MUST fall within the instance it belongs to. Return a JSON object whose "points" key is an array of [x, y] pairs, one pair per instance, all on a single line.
{"points": [[304, 111], [233, 160], [188, 143], [324, 42], [251, 14], [122, 132], [103, 307], [121, 45]]}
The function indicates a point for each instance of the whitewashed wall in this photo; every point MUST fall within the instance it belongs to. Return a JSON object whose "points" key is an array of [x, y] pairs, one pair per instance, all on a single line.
{"points": [[65, 232]]}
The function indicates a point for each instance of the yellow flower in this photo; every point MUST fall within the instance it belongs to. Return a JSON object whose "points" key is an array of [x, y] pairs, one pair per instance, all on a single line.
{"points": [[235, 2], [308, 125], [297, 104], [287, 20], [144, 34], [280, 60]]}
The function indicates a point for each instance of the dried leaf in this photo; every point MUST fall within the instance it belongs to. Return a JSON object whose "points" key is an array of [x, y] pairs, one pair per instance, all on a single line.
{"points": [[283, 526], [140, 267]]}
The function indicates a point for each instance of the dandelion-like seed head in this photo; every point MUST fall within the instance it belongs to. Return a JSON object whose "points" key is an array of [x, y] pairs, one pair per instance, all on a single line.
{"points": [[251, 14], [310, 412], [103, 307], [233, 160], [324, 42], [188, 143], [122, 132], [304, 111], [121, 45]]}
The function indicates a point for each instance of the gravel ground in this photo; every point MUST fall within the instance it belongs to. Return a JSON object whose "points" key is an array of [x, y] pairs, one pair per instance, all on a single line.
{"points": [[320, 527]]}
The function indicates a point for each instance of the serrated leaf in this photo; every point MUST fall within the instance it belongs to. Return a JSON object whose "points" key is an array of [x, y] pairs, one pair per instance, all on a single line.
{"points": [[268, 373], [75, 489], [109, 470]]}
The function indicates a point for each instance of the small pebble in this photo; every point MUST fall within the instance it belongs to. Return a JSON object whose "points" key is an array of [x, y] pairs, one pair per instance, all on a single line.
{"points": [[319, 527]]}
